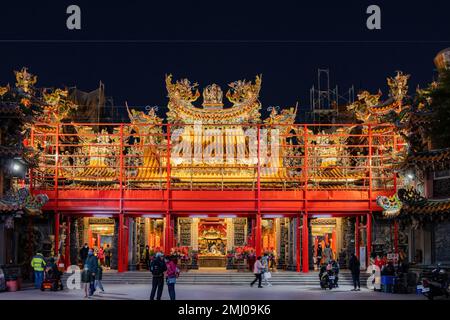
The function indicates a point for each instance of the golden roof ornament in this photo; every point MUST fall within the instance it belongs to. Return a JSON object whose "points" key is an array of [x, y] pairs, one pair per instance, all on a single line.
{"points": [[25, 80], [212, 97], [398, 86], [182, 89]]}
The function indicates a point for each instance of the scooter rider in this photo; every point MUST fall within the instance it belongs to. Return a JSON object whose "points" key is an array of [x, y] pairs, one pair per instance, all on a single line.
{"points": [[335, 269]]}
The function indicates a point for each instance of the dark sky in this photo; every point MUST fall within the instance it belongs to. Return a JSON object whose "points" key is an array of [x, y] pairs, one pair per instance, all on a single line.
{"points": [[131, 45]]}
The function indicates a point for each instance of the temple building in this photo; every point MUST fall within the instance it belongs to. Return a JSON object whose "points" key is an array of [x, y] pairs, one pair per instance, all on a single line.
{"points": [[218, 181]]}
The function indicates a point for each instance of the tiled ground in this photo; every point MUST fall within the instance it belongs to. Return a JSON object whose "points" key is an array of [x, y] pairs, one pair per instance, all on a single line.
{"points": [[209, 292]]}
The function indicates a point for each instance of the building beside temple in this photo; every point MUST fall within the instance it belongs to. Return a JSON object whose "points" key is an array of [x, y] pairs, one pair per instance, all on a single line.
{"points": [[217, 180]]}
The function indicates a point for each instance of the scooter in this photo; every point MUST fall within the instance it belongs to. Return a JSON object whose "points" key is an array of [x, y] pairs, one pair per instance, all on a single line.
{"points": [[437, 286], [327, 278]]}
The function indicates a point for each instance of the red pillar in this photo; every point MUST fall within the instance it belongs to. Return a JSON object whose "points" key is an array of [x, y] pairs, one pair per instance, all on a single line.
{"points": [[369, 236], [258, 235], [126, 242], [396, 236], [172, 233], [357, 234], [56, 234], [167, 234], [297, 253], [67, 249], [305, 244], [120, 245]]}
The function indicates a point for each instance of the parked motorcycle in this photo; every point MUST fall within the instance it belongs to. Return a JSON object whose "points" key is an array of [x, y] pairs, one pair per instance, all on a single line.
{"points": [[327, 278], [437, 285]]}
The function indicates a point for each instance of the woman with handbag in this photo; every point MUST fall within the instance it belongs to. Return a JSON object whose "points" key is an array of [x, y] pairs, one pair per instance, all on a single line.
{"points": [[266, 273], [172, 274]]}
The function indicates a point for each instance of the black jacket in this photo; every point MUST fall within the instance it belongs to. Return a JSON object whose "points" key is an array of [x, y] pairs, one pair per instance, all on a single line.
{"points": [[354, 265], [84, 253], [158, 267]]}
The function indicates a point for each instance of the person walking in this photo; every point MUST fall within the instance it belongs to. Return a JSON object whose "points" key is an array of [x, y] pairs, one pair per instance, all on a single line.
{"points": [[354, 266], [101, 256], [319, 256], [84, 253], [327, 254], [157, 268], [266, 275], [91, 266], [108, 257], [172, 274], [38, 264], [99, 277], [257, 270]]}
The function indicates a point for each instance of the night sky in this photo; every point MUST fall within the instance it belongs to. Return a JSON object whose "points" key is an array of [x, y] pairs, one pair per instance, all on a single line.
{"points": [[131, 45]]}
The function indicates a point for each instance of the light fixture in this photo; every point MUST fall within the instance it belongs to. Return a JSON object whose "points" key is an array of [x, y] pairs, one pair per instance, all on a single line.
{"points": [[227, 216], [18, 168], [198, 216], [102, 215], [269, 216], [154, 216], [322, 216], [410, 176]]}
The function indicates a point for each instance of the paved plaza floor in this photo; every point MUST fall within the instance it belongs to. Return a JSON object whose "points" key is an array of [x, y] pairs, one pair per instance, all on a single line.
{"points": [[209, 292]]}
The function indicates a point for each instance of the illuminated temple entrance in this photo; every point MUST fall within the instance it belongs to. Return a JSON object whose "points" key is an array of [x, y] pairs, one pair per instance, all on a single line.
{"points": [[216, 181]]}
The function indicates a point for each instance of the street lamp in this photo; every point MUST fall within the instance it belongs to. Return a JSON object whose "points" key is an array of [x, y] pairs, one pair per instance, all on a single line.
{"points": [[18, 168]]}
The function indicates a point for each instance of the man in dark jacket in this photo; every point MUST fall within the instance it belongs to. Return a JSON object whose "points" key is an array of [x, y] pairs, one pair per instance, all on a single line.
{"points": [[157, 268], [84, 253], [354, 267], [92, 267]]}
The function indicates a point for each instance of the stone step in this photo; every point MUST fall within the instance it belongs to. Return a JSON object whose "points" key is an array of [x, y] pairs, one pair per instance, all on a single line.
{"points": [[223, 278]]}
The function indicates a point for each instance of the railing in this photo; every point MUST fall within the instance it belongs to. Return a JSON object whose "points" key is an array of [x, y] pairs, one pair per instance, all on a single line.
{"points": [[215, 157]]}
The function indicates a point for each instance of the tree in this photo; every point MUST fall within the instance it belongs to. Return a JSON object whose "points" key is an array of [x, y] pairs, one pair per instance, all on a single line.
{"points": [[440, 107]]}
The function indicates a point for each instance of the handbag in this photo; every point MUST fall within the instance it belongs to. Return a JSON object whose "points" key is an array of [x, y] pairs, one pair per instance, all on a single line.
{"points": [[171, 280], [267, 275]]}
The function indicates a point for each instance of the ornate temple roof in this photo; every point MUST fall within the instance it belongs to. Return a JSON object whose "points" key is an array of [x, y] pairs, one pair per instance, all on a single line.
{"points": [[433, 159], [242, 94], [8, 207], [429, 207]]}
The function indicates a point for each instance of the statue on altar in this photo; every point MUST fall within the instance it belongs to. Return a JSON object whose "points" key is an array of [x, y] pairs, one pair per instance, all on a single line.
{"points": [[211, 243]]}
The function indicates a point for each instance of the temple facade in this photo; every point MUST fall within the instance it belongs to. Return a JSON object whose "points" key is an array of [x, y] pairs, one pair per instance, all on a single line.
{"points": [[217, 182]]}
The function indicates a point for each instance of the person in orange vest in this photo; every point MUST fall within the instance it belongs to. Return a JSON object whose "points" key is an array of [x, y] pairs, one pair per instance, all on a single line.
{"points": [[38, 264]]}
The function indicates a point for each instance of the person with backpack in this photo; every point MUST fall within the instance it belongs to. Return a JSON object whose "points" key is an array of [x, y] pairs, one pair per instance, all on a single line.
{"points": [[354, 266], [172, 274], [157, 268]]}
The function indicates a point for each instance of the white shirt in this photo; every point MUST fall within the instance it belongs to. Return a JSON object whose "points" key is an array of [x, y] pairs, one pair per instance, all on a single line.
{"points": [[257, 267]]}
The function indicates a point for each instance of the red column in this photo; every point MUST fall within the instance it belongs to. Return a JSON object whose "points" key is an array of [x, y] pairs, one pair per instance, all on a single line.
{"points": [[67, 262], [120, 245], [357, 234], [172, 233], [258, 235], [305, 244], [56, 234], [126, 241], [258, 196], [369, 236], [167, 234], [395, 236], [297, 253]]}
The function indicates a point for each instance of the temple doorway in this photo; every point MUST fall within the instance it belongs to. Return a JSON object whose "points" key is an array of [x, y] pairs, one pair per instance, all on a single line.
{"points": [[325, 235], [212, 243], [100, 232]]}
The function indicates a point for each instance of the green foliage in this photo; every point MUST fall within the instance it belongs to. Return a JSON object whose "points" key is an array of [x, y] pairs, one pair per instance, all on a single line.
{"points": [[440, 106]]}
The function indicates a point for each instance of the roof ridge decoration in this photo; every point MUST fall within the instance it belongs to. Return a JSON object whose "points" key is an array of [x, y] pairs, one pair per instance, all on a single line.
{"points": [[242, 94]]}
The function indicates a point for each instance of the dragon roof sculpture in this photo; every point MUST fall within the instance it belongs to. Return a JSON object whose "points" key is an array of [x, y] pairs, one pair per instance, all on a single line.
{"points": [[242, 94]]}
